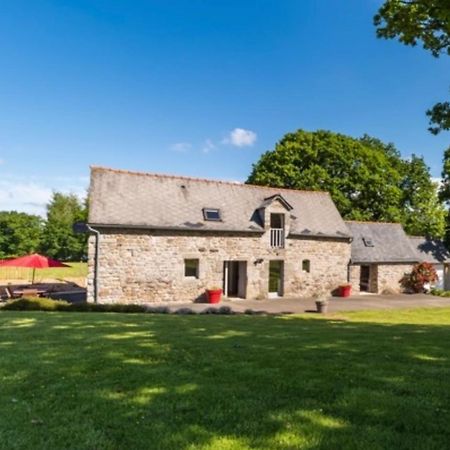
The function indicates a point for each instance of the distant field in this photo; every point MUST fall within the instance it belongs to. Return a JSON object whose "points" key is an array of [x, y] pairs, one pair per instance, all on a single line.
{"points": [[76, 270]]}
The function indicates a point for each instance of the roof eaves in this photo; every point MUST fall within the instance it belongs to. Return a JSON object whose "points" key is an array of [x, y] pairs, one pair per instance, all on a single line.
{"points": [[322, 235], [375, 261], [173, 228]]}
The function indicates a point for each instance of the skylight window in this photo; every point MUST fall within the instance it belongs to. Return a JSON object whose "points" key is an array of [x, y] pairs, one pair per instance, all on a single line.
{"points": [[368, 242], [211, 214]]}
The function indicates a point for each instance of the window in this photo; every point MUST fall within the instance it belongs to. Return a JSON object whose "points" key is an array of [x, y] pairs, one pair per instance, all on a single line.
{"points": [[277, 230], [368, 242], [211, 214], [191, 268], [277, 221], [306, 265]]}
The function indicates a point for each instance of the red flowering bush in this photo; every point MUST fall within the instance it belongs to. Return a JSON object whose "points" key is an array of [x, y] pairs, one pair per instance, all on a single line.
{"points": [[420, 275]]}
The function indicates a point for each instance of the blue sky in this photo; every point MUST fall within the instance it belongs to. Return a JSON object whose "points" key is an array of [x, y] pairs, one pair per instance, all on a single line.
{"points": [[196, 87]]}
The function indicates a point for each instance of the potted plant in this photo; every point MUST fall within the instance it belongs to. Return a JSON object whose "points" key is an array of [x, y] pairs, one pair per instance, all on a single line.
{"points": [[321, 299], [345, 290], [214, 295]]}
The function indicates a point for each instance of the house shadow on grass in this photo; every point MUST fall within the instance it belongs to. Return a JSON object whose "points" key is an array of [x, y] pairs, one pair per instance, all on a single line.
{"points": [[170, 382]]}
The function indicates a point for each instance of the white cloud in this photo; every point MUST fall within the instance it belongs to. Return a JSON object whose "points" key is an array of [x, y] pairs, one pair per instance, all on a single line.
{"points": [[31, 196], [181, 147], [24, 196], [239, 137], [208, 146]]}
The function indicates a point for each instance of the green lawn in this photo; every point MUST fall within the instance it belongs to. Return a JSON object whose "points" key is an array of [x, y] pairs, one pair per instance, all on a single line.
{"points": [[115, 381], [76, 270]]}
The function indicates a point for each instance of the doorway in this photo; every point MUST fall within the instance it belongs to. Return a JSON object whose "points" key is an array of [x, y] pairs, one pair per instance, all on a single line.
{"points": [[276, 269], [364, 279], [235, 279]]}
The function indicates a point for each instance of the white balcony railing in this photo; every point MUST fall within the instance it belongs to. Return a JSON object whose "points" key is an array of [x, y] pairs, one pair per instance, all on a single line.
{"points": [[277, 237]]}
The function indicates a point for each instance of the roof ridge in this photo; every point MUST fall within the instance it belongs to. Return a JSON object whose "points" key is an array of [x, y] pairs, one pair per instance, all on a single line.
{"points": [[374, 222], [206, 180]]}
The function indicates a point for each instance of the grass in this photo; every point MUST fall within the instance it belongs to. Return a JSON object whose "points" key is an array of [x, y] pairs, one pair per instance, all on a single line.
{"points": [[76, 270], [369, 380]]}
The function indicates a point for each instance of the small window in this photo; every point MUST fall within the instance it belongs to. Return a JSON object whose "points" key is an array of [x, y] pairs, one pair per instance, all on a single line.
{"points": [[191, 268], [306, 265], [211, 214], [277, 221], [368, 242]]}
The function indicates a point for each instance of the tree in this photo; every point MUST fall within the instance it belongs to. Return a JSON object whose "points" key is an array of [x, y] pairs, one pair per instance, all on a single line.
{"points": [[444, 193], [426, 21], [367, 179], [421, 207], [59, 241], [423, 213], [20, 233]]}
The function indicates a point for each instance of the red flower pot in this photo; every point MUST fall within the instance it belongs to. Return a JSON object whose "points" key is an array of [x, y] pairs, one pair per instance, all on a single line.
{"points": [[214, 295], [345, 290]]}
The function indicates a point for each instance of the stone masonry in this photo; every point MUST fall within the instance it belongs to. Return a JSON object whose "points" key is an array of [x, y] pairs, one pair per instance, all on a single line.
{"points": [[383, 277], [147, 266], [389, 276]]}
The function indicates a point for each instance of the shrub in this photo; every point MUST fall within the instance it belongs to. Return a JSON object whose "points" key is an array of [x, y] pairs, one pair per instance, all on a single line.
{"points": [[440, 292], [47, 304], [36, 304], [184, 311], [420, 275], [210, 310], [115, 307], [225, 310], [157, 309]]}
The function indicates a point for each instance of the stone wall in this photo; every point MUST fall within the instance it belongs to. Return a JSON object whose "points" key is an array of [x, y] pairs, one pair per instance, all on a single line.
{"points": [[389, 276], [354, 277], [383, 277], [143, 266]]}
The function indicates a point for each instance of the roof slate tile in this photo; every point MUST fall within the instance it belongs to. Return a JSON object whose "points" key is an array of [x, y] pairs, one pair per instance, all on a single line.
{"points": [[136, 199]]}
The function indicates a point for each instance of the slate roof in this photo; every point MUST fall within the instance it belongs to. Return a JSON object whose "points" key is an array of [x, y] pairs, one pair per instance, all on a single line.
{"points": [[390, 243], [134, 199], [430, 250]]}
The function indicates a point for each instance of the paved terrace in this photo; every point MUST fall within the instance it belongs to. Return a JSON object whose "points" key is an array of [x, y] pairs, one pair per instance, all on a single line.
{"points": [[337, 304]]}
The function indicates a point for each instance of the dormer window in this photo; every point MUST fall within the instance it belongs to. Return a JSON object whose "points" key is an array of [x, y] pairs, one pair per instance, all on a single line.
{"points": [[211, 214], [277, 230], [368, 242]]}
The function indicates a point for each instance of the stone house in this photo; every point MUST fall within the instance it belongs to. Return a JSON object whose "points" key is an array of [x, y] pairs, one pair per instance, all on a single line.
{"points": [[382, 253], [434, 252], [158, 238]]}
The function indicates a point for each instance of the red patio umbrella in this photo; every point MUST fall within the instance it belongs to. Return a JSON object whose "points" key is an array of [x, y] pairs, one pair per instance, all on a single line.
{"points": [[34, 262]]}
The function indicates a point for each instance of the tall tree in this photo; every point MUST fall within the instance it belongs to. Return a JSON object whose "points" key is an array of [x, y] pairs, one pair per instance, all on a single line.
{"points": [[20, 233], [425, 21], [444, 193], [423, 213], [367, 179], [59, 240], [422, 210]]}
